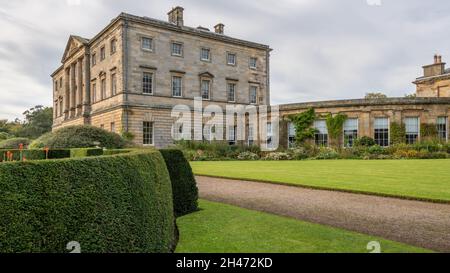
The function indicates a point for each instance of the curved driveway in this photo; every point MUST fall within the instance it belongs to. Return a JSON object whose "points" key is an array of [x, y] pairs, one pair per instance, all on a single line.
{"points": [[416, 223]]}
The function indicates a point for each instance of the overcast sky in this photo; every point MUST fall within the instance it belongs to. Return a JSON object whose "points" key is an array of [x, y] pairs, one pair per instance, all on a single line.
{"points": [[323, 49]]}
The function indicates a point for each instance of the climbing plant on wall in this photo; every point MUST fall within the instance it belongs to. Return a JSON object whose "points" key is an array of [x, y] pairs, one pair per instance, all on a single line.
{"points": [[398, 133], [303, 124], [428, 131], [335, 125]]}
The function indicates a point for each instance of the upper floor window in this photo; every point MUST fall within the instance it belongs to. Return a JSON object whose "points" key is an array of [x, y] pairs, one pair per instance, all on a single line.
{"points": [[60, 82], [205, 54], [147, 43], [206, 84], [103, 89], [253, 94], [176, 86], [350, 132], [381, 131], [412, 130], [231, 58], [102, 53], [231, 92], [321, 135], [442, 128], [177, 49], [113, 46], [253, 62], [56, 85], [94, 59], [147, 83], [94, 92], [113, 84]]}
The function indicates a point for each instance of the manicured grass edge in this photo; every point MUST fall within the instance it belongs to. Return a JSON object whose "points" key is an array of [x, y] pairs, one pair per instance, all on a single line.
{"points": [[369, 193]]}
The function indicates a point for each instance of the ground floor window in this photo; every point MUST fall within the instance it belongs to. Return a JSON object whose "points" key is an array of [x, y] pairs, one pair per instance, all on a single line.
{"points": [[113, 127], [232, 135], [442, 128], [321, 135], [250, 135], [381, 132], [350, 132], [291, 135], [147, 133], [412, 130], [207, 133], [269, 138]]}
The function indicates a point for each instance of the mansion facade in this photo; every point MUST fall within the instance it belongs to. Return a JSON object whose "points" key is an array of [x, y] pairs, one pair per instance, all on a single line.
{"points": [[129, 77]]}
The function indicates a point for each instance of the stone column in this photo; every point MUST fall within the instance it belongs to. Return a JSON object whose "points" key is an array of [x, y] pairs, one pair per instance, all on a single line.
{"points": [[72, 90], [80, 86], [87, 86], [67, 93]]}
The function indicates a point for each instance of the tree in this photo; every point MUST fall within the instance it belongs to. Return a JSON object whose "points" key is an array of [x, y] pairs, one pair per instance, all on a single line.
{"points": [[374, 96], [411, 96], [38, 121]]}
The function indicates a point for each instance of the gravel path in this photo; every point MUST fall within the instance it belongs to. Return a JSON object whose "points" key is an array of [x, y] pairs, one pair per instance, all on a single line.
{"points": [[416, 223]]}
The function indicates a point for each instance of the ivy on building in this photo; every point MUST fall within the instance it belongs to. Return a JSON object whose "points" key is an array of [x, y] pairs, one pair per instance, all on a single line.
{"points": [[398, 133], [303, 124], [428, 131], [335, 125]]}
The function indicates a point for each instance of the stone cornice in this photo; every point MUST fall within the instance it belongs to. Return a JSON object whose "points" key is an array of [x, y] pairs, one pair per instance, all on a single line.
{"points": [[364, 102]]}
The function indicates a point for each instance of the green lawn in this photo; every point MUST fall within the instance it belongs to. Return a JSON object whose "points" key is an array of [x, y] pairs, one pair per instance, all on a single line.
{"points": [[220, 228], [423, 179]]}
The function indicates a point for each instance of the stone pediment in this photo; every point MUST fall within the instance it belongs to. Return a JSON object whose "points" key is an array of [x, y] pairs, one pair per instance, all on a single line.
{"points": [[74, 43]]}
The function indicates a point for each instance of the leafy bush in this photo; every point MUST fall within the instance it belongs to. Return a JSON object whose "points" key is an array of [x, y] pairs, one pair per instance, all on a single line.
{"points": [[365, 141], [398, 133], [299, 153], [117, 151], [327, 153], [277, 156], [80, 137], [248, 156], [184, 186], [4, 135], [108, 204], [13, 143], [83, 152]]}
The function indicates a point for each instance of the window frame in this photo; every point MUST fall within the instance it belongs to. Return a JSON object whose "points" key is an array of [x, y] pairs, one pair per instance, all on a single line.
{"points": [[445, 130], [151, 83], [94, 58], [228, 58], [350, 142], [143, 38], [250, 63], [102, 53], [94, 92], [321, 139], [181, 86], [113, 46], [150, 133], [291, 135], [234, 91], [209, 89], [181, 49], [209, 54], [103, 95], [113, 84], [412, 137], [250, 94], [384, 141]]}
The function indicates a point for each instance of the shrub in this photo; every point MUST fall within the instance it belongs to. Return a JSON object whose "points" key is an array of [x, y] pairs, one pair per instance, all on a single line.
{"points": [[365, 141], [277, 156], [4, 135], [299, 153], [83, 152], [80, 137], [398, 133], [247, 156], [327, 153], [184, 186], [108, 204], [117, 151], [13, 143]]}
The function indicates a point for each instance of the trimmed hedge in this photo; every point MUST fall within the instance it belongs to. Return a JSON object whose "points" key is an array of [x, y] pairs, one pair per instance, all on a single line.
{"points": [[35, 154], [117, 151], [83, 136], [108, 204], [184, 186], [13, 143], [84, 152]]}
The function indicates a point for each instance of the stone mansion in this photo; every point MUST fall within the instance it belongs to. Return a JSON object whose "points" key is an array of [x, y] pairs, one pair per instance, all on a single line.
{"points": [[130, 75]]}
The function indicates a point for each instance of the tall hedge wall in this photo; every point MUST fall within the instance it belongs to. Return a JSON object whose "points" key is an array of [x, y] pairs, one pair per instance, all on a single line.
{"points": [[184, 186], [108, 204]]}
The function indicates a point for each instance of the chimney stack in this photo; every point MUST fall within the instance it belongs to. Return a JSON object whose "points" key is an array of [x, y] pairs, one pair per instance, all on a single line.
{"points": [[219, 28], [435, 59], [439, 59], [176, 16], [435, 69]]}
